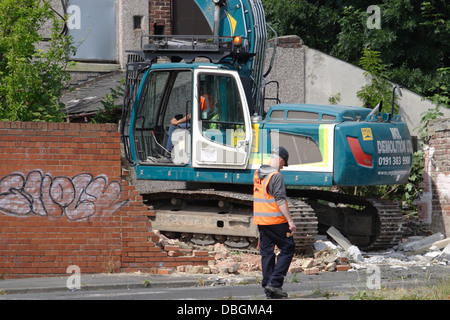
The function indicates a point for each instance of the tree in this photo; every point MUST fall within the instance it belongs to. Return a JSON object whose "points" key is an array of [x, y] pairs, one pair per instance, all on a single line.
{"points": [[315, 24], [379, 88], [412, 41], [32, 72]]}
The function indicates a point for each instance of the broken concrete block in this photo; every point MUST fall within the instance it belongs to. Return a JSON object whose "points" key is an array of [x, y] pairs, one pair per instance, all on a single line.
{"points": [[445, 254], [223, 270], [194, 269], [419, 258], [330, 266], [308, 264], [233, 267], [354, 254], [432, 255], [206, 270], [197, 269], [214, 269], [339, 238], [330, 259], [422, 245], [441, 244], [323, 245]]}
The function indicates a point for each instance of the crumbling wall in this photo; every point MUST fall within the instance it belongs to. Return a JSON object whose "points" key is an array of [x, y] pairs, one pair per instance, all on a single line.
{"points": [[63, 202], [434, 203]]}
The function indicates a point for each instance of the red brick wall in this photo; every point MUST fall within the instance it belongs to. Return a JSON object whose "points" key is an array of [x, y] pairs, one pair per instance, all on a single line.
{"points": [[434, 204], [63, 202], [161, 14]]}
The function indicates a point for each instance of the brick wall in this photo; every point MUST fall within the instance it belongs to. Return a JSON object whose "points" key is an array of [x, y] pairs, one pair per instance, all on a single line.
{"points": [[160, 14], [434, 204], [63, 202]]}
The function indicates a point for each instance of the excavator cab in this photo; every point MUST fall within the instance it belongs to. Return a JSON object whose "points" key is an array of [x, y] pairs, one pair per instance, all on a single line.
{"points": [[189, 116]]}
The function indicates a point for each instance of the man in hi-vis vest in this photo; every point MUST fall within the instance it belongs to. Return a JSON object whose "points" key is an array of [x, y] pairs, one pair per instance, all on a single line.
{"points": [[275, 224]]}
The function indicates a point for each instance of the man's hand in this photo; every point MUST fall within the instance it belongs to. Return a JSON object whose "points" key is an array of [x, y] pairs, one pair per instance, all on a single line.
{"points": [[285, 211], [292, 226]]}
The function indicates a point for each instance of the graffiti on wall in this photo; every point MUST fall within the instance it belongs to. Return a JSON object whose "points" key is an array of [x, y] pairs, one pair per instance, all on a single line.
{"points": [[76, 198]]}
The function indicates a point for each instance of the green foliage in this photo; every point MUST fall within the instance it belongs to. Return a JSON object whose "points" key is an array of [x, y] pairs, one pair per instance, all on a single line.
{"points": [[112, 111], [31, 71], [426, 116], [379, 88], [306, 19], [412, 41], [441, 99], [335, 98], [351, 37], [439, 90]]}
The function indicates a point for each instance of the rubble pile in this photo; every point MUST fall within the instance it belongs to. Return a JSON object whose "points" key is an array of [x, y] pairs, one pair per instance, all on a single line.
{"points": [[331, 253], [415, 251], [412, 251]]}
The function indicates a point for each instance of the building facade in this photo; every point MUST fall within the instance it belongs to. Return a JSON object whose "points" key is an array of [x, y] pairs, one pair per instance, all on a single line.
{"points": [[103, 30]]}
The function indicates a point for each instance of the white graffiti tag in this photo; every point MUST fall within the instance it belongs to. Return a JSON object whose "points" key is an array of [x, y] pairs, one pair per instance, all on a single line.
{"points": [[77, 198]]}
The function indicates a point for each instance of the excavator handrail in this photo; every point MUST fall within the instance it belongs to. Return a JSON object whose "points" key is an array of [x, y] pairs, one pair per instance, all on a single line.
{"points": [[214, 48], [188, 42]]}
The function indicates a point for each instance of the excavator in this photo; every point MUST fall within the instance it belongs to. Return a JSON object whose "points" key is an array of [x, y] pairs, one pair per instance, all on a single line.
{"points": [[194, 111]]}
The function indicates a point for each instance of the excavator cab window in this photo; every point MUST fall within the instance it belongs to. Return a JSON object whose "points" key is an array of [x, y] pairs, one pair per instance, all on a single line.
{"points": [[178, 106], [221, 131], [221, 115], [166, 95]]}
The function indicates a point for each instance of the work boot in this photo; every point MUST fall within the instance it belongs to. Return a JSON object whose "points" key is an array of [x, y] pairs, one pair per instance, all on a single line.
{"points": [[277, 293]]}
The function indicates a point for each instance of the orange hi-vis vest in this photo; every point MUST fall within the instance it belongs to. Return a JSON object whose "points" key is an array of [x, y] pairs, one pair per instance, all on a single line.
{"points": [[265, 208]]}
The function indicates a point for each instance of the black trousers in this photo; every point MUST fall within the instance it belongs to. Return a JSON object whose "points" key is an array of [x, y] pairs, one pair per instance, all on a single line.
{"points": [[274, 269]]}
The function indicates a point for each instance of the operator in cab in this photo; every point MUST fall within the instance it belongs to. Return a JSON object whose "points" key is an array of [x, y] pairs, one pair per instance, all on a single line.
{"points": [[206, 105]]}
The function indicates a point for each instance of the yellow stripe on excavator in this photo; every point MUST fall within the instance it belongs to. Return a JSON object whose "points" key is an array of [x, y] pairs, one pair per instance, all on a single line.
{"points": [[233, 22]]}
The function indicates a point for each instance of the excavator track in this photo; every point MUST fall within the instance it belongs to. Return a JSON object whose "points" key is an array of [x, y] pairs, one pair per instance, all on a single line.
{"points": [[371, 224], [391, 225], [306, 222], [208, 216], [205, 217]]}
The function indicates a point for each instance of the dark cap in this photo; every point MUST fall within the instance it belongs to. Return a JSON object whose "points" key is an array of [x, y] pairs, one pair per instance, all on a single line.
{"points": [[282, 153]]}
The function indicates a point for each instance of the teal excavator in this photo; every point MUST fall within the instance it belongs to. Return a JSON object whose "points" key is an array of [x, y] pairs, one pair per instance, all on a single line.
{"points": [[195, 111]]}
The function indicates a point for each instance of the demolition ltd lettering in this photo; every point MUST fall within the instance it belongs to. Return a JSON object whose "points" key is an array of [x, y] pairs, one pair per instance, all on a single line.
{"points": [[226, 309], [396, 145]]}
